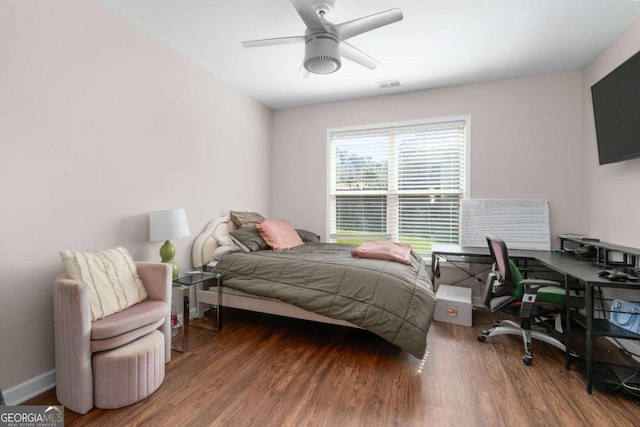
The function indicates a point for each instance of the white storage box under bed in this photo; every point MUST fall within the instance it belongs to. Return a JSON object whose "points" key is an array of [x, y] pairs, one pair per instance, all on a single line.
{"points": [[454, 305]]}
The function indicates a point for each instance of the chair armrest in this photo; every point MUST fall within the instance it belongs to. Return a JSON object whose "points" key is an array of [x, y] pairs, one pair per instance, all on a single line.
{"points": [[531, 287], [156, 278], [72, 337], [71, 314]]}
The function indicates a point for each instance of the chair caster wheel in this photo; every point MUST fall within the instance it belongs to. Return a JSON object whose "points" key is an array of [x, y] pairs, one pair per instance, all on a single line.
{"points": [[482, 337], [527, 360]]}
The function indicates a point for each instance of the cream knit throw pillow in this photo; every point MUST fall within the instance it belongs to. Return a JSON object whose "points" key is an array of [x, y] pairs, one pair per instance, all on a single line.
{"points": [[112, 277]]}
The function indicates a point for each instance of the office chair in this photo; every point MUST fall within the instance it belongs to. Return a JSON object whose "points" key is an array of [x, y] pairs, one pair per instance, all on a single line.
{"points": [[534, 301]]}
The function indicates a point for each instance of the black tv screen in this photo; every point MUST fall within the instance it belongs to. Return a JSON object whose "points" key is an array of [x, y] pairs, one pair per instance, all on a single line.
{"points": [[616, 106]]}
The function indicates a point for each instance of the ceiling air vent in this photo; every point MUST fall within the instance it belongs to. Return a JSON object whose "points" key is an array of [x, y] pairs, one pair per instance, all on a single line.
{"points": [[388, 84]]}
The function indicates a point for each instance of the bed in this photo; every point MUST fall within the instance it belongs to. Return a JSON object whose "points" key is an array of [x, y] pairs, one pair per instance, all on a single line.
{"points": [[322, 282]]}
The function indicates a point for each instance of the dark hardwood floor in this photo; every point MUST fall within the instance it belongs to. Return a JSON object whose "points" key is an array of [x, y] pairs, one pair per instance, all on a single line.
{"points": [[265, 370]]}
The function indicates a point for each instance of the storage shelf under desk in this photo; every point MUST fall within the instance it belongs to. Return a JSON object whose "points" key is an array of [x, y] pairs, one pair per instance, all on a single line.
{"points": [[602, 327], [609, 375]]}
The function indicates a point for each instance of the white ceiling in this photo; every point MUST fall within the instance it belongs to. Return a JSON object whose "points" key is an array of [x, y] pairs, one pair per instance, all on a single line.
{"points": [[438, 43]]}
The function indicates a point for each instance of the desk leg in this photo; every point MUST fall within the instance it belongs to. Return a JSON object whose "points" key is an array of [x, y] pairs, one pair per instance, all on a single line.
{"points": [[589, 304], [567, 322], [433, 267]]}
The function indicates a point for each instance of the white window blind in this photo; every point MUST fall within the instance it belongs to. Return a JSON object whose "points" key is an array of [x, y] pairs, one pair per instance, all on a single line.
{"points": [[402, 182]]}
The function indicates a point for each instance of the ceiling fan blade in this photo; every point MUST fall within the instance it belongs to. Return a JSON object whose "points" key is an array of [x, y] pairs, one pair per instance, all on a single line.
{"points": [[273, 42], [349, 51], [367, 23], [309, 16]]}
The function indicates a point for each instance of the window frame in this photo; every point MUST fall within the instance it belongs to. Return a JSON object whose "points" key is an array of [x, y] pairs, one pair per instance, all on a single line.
{"points": [[466, 119]]}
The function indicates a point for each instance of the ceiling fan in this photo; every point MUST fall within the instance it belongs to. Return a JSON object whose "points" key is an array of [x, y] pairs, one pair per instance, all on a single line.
{"points": [[325, 43]]}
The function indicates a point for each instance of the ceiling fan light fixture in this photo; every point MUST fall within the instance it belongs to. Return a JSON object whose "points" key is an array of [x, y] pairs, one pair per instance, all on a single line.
{"points": [[322, 54]]}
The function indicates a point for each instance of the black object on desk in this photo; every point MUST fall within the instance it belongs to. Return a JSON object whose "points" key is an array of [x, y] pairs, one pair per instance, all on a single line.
{"points": [[617, 276]]}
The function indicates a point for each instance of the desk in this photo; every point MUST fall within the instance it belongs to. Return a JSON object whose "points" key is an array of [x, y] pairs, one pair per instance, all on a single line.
{"points": [[569, 266], [455, 254], [475, 252]]}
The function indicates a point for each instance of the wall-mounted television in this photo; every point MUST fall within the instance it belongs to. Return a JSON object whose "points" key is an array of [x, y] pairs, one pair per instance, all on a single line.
{"points": [[616, 106]]}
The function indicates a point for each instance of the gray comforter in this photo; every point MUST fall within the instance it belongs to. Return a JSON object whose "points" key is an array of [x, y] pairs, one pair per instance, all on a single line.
{"points": [[392, 300]]}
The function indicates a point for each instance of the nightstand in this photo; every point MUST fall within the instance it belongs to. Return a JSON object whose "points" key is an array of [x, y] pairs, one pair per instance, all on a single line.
{"points": [[189, 280]]}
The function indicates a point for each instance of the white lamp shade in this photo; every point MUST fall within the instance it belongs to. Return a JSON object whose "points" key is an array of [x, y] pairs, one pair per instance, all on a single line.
{"points": [[168, 224]]}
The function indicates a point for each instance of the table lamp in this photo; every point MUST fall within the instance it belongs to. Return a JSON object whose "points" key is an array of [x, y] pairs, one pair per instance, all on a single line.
{"points": [[165, 225]]}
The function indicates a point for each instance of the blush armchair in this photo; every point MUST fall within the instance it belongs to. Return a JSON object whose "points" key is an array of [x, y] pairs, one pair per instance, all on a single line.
{"points": [[94, 358]]}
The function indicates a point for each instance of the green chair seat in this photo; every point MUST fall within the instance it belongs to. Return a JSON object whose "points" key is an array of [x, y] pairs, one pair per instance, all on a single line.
{"points": [[556, 295], [550, 294]]}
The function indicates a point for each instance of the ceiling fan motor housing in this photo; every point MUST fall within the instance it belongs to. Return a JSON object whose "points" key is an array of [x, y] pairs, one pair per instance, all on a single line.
{"points": [[322, 53]]}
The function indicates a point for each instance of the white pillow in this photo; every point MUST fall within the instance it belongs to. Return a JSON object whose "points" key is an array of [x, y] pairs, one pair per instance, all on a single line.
{"points": [[221, 251], [226, 240], [112, 277], [239, 244]]}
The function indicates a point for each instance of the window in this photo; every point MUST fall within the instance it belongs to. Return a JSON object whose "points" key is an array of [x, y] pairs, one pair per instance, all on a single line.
{"points": [[400, 181]]}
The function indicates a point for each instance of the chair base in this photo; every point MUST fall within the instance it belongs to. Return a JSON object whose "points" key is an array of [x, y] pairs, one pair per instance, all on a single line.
{"points": [[130, 373], [508, 327]]}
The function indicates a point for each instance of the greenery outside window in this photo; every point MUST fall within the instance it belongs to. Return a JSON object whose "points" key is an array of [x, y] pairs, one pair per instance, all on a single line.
{"points": [[399, 181]]}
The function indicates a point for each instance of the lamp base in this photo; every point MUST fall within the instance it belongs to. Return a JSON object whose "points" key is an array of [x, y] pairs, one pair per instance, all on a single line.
{"points": [[167, 253]]}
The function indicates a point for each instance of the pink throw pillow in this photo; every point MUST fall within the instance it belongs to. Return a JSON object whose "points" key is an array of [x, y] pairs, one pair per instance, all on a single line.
{"points": [[279, 234]]}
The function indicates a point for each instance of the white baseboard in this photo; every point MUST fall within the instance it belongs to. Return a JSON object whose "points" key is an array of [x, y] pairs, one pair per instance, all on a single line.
{"points": [[31, 388]]}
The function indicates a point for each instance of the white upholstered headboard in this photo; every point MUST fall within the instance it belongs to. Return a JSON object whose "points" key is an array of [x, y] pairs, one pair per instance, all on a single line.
{"points": [[206, 242]]}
